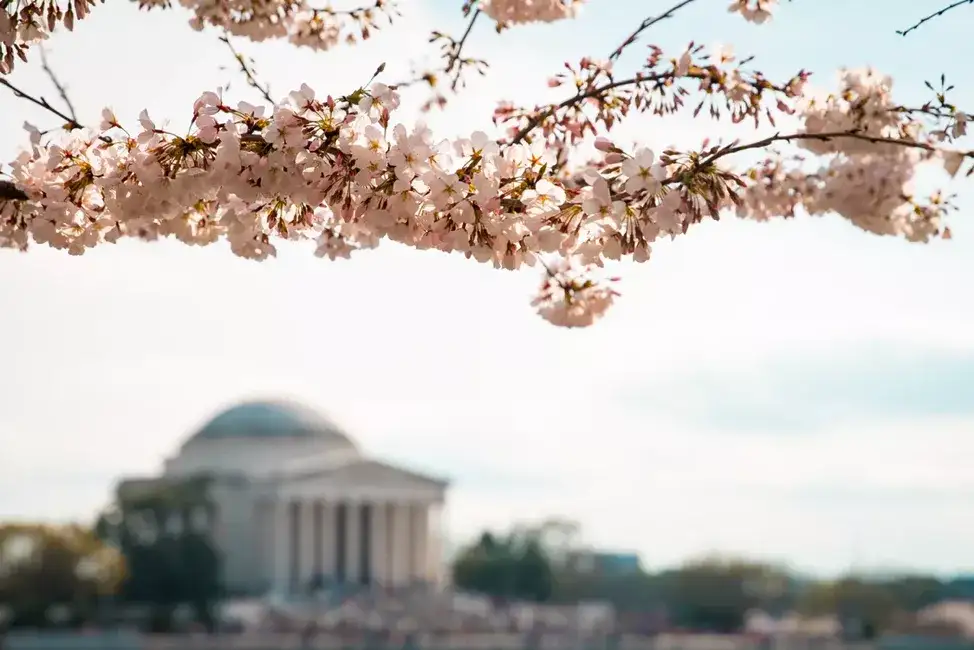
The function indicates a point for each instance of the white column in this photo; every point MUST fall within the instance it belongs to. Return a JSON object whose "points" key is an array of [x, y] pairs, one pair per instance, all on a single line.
{"points": [[389, 544], [260, 569], [379, 543], [352, 523], [420, 545], [434, 549], [306, 518], [329, 523], [267, 534], [281, 548], [400, 543]]}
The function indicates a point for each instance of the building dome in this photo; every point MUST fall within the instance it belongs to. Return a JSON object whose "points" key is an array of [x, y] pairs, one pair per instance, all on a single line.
{"points": [[262, 420]]}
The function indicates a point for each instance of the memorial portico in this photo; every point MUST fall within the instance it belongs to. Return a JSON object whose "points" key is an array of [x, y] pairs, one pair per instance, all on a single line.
{"points": [[361, 541], [296, 504], [366, 524]]}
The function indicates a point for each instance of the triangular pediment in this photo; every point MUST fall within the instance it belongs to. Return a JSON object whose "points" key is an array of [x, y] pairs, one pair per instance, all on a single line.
{"points": [[371, 473]]}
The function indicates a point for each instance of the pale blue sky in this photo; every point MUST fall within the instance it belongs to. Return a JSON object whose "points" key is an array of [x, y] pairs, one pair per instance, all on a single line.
{"points": [[800, 391]]}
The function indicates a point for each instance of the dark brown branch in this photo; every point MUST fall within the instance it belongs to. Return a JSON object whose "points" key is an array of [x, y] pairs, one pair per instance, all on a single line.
{"points": [[264, 90], [936, 14], [356, 12], [70, 123], [62, 91], [10, 192], [541, 116], [454, 58], [825, 136], [646, 24], [454, 63]]}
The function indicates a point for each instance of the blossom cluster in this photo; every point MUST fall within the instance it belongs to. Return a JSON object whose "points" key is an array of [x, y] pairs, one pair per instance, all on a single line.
{"points": [[337, 171], [299, 22], [513, 12], [341, 173], [603, 99], [573, 294], [868, 172], [32, 21], [755, 11], [325, 169]]}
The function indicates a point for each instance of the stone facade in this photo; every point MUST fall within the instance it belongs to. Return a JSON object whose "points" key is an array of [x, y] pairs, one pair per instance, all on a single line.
{"points": [[293, 503]]}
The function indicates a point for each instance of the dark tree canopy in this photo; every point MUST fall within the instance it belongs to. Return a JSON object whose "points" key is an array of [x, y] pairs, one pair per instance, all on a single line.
{"points": [[167, 567], [54, 574], [515, 566]]}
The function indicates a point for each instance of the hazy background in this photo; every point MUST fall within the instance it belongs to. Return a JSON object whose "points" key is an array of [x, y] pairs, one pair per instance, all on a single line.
{"points": [[798, 391]]}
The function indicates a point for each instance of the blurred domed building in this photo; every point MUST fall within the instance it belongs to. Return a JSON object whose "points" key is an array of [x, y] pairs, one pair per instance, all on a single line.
{"points": [[290, 502]]}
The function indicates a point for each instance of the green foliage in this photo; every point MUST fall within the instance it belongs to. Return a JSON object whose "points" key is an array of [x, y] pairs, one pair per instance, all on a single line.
{"points": [[709, 594], [716, 594], [515, 566], [870, 603], [169, 567], [45, 568]]}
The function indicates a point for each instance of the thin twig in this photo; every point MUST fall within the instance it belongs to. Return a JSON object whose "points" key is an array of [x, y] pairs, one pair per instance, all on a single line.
{"points": [[454, 64], [646, 24], [248, 71], [62, 91], [936, 14], [542, 115], [378, 4], [454, 59], [826, 136], [69, 122]]}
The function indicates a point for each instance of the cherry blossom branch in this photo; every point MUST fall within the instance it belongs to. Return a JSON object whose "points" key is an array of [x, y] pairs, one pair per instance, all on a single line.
{"points": [[341, 172], [541, 116], [62, 91], [454, 58], [363, 16], [302, 24], [356, 12], [597, 92], [934, 15], [824, 137], [70, 123], [454, 64], [232, 176], [247, 69], [32, 21], [646, 24], [652, 89]]}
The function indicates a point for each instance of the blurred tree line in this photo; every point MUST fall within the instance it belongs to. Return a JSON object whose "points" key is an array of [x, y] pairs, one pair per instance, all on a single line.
{"points": [[713, 594], [54, 574], [134, 556], [143, 553]]}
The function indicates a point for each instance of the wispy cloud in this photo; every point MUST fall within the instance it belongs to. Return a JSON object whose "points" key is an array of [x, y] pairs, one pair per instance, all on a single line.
{"points": [[805, 393]]}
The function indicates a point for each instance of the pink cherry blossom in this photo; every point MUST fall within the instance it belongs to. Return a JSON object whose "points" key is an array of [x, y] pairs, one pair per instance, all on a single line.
{"points": [[344, 174]]}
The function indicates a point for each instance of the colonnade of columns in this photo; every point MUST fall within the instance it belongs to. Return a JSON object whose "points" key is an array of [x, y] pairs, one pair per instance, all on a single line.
{"points": [[346, 542]]}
